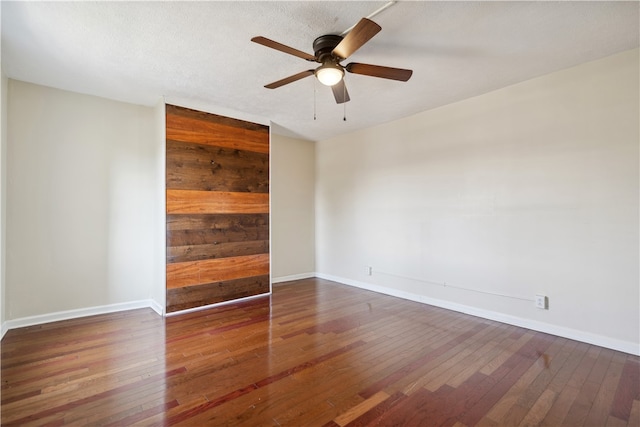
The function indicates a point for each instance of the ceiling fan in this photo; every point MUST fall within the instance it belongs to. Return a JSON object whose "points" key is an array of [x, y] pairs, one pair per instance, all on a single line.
{"points": [[331, 49]]}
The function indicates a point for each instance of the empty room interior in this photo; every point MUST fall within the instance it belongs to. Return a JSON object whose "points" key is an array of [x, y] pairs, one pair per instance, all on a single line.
{"points": [[307, 213]]}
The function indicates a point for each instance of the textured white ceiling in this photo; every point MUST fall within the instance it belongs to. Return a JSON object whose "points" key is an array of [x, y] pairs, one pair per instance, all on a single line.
{"points": [[199, 54]]}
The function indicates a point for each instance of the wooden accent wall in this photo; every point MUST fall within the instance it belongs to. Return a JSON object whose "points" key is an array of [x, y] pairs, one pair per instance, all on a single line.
{"points": [[217, 184]]}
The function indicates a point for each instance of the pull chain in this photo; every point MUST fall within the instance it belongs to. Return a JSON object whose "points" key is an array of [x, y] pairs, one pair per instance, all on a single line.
{"points": [[344, 104]]}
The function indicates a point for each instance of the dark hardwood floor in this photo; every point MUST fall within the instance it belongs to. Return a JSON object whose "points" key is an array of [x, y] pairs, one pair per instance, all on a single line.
{"points": [[314, 353]]}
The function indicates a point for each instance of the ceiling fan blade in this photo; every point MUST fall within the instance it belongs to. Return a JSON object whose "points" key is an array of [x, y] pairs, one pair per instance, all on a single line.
{"points": [[379, 71], [289, 79], [283, 48], [364, 30], [340, 92]]}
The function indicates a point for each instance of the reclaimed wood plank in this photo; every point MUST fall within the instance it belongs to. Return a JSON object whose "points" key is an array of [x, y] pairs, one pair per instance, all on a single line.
{"points": [[186, 230], [216, 250], [216, 119], [211, 293], [209, 168], [202, 202], [216, 270], [196, 130]]}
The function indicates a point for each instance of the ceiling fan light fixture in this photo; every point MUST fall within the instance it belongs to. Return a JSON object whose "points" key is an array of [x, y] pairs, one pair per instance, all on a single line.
{"points": [[331, 49], [329, 73]]}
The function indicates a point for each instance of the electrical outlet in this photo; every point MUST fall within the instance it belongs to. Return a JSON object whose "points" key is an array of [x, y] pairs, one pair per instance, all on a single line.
{"points": [[542, 302], [369, 270]]}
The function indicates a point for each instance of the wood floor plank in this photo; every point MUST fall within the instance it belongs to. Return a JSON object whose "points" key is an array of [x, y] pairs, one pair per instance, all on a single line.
{"points": [[604, 398], [539, 409], [560, 407], [479, 358], [366, 364], [634, 416], [520, 398], [371, 363], [506, 376], [378, 414], [457, 357], [312, 353], [516, 343], [441, 354], [361, 408], [414, 364], [628, 390]]}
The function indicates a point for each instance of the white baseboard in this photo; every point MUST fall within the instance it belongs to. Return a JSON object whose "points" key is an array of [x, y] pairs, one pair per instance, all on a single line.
{"points": [[155, 306], [3, 329], [81, 312], [292, 277], [587, 337]]}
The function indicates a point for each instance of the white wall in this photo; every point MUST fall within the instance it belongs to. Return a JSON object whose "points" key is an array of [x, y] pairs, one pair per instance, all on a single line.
{"points": [[158, 292], [3, 144], [292, 208], [81, 201], [529, 189]]}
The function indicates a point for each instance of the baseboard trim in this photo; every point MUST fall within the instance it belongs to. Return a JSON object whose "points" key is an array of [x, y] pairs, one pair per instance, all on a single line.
{"points": [[586, 337], [3, 329], [81, 312], [157, 307], [292, 277]]}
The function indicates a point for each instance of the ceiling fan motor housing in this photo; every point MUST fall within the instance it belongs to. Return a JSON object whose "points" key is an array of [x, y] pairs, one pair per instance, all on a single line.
{"points": [[323, 45]]}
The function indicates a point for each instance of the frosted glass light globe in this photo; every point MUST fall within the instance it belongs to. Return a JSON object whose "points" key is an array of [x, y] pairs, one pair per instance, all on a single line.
{"points": [[329, 74]]}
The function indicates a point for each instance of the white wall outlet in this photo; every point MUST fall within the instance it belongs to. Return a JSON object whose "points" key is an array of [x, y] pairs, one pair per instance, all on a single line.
{"points": [[369, 270], [542, 302]]}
